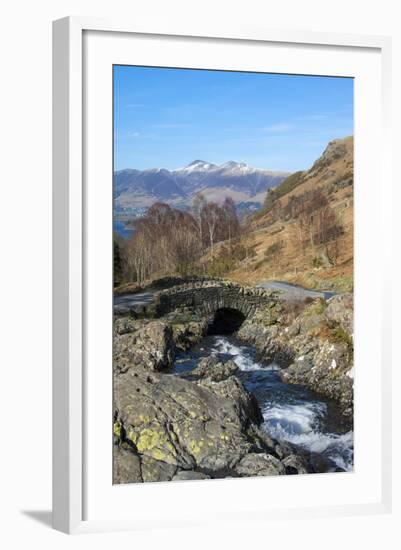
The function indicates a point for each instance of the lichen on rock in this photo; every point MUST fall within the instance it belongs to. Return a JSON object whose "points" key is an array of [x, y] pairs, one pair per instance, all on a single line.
{"points": [[198, 425]]}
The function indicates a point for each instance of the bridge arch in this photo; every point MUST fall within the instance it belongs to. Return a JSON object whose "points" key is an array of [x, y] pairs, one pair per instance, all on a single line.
{"points": [[226, 320]]}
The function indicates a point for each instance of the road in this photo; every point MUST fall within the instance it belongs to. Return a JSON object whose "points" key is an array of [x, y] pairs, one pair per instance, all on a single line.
{"points": [[125, 302], [294, 292]]}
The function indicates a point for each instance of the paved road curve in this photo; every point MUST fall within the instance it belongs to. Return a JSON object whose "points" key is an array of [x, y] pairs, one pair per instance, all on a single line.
{"points": [[294, 292]]}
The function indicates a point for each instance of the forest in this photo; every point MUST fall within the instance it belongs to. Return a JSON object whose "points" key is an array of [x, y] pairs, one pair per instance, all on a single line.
{"points": [[210, 240]]}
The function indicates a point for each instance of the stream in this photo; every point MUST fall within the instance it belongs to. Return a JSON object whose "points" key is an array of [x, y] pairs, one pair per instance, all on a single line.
{"points": [[291, 413]]}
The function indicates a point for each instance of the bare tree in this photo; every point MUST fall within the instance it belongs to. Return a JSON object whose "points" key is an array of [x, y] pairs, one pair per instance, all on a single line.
{"points": [[231, 220], [198, 204], [316, 222], [211, 216]]}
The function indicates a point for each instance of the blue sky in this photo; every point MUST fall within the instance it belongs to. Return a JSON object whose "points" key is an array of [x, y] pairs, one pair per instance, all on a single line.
{"points": [[166, 118]]}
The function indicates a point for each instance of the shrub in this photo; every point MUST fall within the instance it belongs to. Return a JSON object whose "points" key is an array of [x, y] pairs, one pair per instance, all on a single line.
{"points": [[285, 187], [317, 307], [274, 249], [238, 252], [340, 335], [334, 332], [293, 308], [317, 262], [219, 266], [258, 265]]}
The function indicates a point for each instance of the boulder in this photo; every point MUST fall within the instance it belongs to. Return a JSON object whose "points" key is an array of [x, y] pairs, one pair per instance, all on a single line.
{"points": [[295, 464], [184, 475], [186, 334], [340, 309], [130, 467], [145, 344], [156, 470], [126, 466], [240, 406], [213, 369], [260, 464]]}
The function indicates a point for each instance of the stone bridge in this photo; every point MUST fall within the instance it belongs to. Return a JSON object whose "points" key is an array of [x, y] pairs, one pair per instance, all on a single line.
{"points": [[206, 297]]}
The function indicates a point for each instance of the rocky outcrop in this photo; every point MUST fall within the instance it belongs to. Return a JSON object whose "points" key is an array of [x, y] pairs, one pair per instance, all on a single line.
{"points": [[153, 343], [170, 427], [204, 423], [314, 349]]}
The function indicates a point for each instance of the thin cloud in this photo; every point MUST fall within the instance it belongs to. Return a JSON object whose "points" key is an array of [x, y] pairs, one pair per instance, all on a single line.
{"points": [[324, 115], [127, 135], [279, 128], [169, 126]]}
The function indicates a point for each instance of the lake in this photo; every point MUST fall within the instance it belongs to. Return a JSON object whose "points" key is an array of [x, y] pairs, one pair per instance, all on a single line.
{"points": [[120, 228]]}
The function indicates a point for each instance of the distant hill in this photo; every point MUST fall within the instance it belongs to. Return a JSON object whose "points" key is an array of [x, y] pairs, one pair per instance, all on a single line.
{"points": [[141, 188]]}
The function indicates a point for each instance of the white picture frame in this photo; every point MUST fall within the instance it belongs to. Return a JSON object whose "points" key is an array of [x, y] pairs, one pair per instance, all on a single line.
{"points": [[70, 262]]}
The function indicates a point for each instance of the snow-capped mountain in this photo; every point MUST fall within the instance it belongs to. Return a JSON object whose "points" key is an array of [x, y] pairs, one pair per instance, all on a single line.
{"points": [[196, 166], [140, 188]]}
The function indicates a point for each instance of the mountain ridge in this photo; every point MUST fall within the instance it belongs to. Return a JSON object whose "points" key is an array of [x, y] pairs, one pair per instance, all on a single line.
{"points": [[140, 188]]}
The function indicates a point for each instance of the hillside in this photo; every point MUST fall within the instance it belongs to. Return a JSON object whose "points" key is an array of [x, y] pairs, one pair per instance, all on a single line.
{"points": [[294, 240]]}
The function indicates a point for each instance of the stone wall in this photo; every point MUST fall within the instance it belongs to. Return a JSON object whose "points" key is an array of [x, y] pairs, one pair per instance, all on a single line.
{"points": [[206, 297]]}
